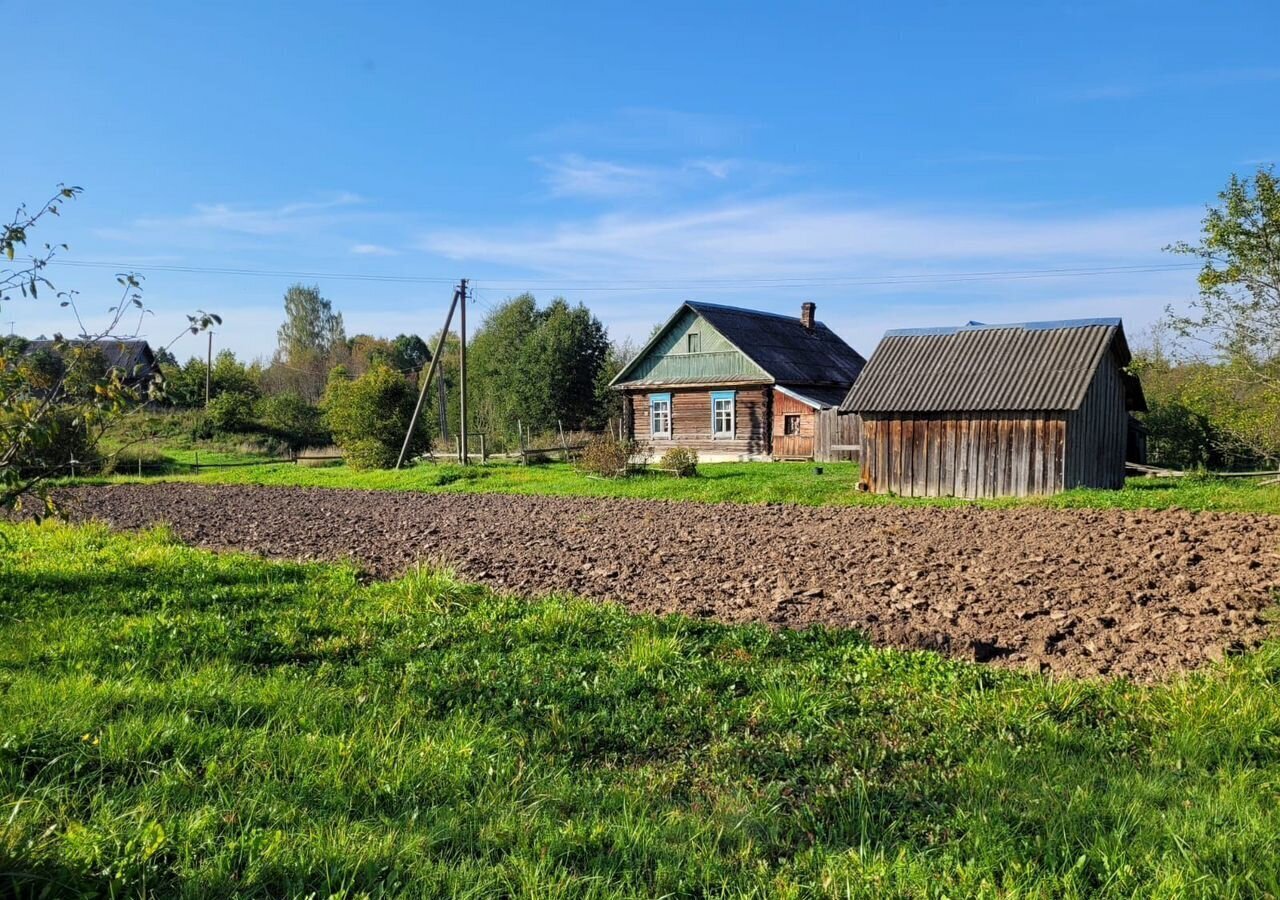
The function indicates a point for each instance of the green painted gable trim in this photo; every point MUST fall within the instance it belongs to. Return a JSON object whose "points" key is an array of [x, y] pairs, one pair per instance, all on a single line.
{"points": [[666, 356]]}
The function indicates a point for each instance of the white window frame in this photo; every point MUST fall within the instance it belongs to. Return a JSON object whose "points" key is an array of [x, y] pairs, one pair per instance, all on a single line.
{"points": [[729, 397], [659, 411]]}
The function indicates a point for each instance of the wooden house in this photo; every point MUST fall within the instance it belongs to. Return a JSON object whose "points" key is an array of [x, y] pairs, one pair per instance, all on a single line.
{"points": [[741, 384], [133, 357], [996, 410]]}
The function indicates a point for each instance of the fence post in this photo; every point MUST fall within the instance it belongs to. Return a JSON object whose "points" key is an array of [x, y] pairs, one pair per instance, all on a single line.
{"points": [[564, 445], [484, 450], [520, 431]]}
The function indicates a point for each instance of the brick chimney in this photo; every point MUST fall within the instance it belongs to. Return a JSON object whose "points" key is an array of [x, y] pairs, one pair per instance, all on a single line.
{"points": [[807, 309]]}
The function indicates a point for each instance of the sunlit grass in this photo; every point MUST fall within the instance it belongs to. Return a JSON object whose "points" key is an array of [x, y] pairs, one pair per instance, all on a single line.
{"points": [[175, 722], [757, 482]]}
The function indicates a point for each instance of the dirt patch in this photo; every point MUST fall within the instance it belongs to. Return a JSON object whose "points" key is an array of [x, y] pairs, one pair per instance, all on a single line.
{"points": [[1079, 592]]}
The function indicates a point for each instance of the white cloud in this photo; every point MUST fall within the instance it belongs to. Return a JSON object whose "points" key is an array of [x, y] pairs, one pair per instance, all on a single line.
{"points": [[804, 237], [373, 250], [289, 218], [574, 175]]}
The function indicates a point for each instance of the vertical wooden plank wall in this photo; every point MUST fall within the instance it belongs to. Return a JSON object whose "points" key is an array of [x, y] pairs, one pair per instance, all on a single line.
{"points": [[975, 455], [833, 429], [1097, 433]]}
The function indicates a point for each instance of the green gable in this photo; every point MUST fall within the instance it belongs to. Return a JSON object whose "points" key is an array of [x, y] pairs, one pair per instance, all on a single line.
{"points": [[671, 357]]}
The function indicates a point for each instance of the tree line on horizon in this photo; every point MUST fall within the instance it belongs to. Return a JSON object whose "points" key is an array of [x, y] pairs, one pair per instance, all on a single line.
{"points": [[538, 367]]}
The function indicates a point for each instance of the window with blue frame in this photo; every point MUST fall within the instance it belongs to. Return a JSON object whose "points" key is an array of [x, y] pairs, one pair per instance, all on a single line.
{"points": [[659, 415], [722, 414]]}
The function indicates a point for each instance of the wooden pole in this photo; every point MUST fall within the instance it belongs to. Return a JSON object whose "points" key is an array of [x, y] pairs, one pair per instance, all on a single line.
{"points": [[484, 450], [520, 432], [464, 456], [208, 371], [564, 445], [422, 390]]}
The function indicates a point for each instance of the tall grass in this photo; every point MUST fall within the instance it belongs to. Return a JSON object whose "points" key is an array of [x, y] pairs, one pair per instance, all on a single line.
{"points": [[174, 722]]}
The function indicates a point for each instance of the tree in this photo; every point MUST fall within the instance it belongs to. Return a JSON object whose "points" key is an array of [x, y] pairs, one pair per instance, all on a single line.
{"points": [[408, 351], [370, 415], [311, 340], [539, 366], [494, 372], [55, 408], [1234, 324], [559, 365]]}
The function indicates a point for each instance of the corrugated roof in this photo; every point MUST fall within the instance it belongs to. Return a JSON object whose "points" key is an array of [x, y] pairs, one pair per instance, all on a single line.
{"points": [[972, 368], [783, 347]]}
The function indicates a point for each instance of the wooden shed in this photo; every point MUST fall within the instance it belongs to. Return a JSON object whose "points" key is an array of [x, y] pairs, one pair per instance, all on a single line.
{"points": [[739, 384], [996, 410]]}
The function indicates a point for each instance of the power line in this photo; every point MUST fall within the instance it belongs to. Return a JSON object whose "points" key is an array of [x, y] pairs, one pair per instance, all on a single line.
{"points": [[683, 284]]}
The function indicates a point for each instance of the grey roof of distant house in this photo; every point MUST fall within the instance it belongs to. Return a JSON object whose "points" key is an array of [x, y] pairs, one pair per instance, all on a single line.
{"points": [[1028, 366], [125, 355]]}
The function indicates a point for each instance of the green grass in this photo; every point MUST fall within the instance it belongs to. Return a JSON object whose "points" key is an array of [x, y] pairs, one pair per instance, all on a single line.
{"points": [[174, 722], [732, 483]]}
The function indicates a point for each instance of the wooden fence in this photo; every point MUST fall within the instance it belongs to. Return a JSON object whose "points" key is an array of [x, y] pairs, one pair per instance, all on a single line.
{"points": [[836, 438]]}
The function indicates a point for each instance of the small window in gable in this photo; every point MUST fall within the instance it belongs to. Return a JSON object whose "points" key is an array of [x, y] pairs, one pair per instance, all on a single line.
{"points": [[693, 342]]}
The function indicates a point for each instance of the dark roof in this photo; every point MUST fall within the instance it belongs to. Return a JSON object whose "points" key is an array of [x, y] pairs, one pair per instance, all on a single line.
{"points": [[976, 368], [126, 355], [783, 347], [778, 344]]}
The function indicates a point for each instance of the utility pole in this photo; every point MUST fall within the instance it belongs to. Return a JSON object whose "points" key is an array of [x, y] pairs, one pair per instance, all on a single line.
{"points": [[208, 371], [431, 369], [442, 404], [463, 455]]}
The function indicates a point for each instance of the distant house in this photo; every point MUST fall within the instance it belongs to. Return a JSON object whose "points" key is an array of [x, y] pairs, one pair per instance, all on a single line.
{"points": [[740, 384], [997, 410], [134, 358]]}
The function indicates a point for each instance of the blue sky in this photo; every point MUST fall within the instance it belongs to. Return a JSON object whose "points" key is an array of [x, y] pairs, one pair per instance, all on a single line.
{"points": [[875, 158]]}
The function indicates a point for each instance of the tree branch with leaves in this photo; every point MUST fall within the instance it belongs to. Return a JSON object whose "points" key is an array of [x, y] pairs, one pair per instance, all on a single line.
{"points": [[1234, 324], [56, 406]]}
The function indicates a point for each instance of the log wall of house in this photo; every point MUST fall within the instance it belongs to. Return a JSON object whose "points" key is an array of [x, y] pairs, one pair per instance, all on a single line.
{"points": [[691, 421], [1097, 432], [964, 455]]}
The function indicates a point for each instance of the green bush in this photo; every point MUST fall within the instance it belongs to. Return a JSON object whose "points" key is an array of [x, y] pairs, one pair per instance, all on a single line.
{"points": [[606, 456], [682, 461], [58, 446], [125, 460], [231, 412], [293, 421], [369, 416]]}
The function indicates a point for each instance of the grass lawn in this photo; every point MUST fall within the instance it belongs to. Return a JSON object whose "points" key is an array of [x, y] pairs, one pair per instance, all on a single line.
{"points": [[175, 722], [729, 482]]}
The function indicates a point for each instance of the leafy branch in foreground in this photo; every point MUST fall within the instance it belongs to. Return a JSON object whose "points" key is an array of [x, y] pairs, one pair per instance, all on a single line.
{"points": [[59, 399]]}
